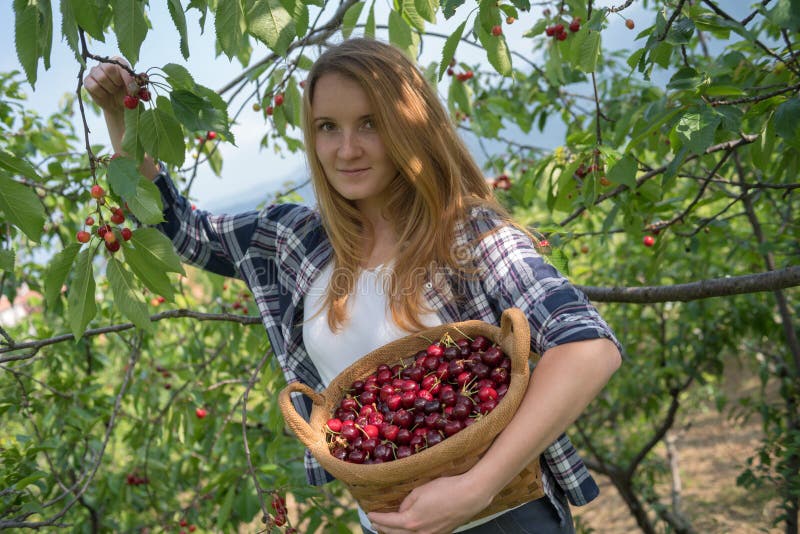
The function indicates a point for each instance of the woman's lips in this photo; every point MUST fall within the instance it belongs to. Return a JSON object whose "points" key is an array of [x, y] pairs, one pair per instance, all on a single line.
{"points": [[353, 172]]}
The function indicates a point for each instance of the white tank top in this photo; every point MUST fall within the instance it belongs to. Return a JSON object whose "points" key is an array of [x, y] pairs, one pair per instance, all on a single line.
{"points": [[369, 326]]}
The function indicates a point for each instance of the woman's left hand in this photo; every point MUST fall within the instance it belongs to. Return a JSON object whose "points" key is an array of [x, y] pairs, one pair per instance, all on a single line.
{"points": [[438, 507]]}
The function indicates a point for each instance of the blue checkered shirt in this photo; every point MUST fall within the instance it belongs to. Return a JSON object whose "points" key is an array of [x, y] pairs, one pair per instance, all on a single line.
{"points": [[279, 250]]}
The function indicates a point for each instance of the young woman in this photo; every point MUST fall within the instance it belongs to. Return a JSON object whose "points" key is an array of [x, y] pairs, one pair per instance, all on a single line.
{"points": [[406, 235]]}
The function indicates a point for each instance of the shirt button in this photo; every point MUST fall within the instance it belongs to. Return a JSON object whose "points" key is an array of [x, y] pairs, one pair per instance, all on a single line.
{"points": [[428, 285]]}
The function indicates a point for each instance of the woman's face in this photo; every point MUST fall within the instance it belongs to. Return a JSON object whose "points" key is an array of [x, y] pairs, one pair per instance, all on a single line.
{"points": [[349, 147]]}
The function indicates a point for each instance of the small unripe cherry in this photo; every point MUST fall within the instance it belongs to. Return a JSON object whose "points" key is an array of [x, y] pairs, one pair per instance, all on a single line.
{"points": [[649, 241], [278, 100], [97, 191], [83, 236], [510, 20], [497, 31], [604, 181], [130, 101], [630, 24], [126, 234], [89, 220], [256, 107]]}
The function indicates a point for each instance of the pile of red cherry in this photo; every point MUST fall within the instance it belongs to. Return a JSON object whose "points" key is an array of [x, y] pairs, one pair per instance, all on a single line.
{"points": [[401, 410]]}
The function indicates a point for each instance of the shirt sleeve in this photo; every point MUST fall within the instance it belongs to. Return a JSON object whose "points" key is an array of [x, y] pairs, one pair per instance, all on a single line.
{"points": [[215, 243], [514, 274]]}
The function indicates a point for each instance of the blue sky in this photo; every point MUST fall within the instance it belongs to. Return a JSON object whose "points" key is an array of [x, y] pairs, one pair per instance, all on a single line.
{"points": [[244, 179]]}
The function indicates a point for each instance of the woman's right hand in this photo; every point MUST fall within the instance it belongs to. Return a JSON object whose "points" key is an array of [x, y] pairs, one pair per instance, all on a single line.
{"points": [[108, 84]]}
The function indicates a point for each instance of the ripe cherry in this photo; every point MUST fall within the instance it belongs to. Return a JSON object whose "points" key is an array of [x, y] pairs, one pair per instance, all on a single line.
{"points": [[144, 95], [211, 135], [561, 36], [550, 31], [83, 236], [334, 425], [130, 101], [201, 413], [575, 25], [278, 100], [497, 31], [269, 110], [183, 523], [117, 217], [112, 247], [649, 241], [544, 243], [126, 234], [89, 220], [97, 191], [630, 24], [110, 237]]}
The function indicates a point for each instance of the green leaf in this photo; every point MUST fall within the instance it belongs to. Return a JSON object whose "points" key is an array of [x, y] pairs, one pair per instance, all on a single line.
{"points": [[80, 299], [26, 37], [160, 133], [681, 31], [21, 207], [57, 271], [624, 172], [130, 140], [152, 276], [522, 5], [400, 34], [369, 28], [426, 9], [178, 76], [449, 49], [146, 204], [449, 7], [7, 260], [411, 16], [269, 22], [69, 29], [196, 112], [230, 25], [696, 129], [158, 249], [130, 26], [496, 49], [225, 509], [350, 18], [589, 52], [127, 299], [17, 165], [558, 259], [89, 15], [786, 120], [178, 17], [123, 176]]}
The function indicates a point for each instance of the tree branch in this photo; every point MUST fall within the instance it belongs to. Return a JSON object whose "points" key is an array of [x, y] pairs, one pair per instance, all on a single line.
{"points": [[715, 287]]}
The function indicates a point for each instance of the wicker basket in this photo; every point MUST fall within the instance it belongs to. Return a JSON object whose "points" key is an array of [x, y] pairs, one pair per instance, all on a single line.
{"points": [[382, 487]]}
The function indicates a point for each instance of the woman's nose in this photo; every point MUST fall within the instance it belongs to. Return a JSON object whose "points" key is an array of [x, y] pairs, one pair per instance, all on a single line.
{"points": [[349, 147]]}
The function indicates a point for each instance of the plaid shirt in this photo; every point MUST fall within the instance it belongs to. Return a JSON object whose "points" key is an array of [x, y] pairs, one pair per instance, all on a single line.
{"points": [[279, 250]]}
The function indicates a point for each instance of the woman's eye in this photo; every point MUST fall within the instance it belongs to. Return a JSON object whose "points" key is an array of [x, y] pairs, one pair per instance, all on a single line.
{"points": [[326, 127], [369, 125]]}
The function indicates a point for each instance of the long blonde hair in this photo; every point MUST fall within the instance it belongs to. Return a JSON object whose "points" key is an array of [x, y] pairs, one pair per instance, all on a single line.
{"points": [[437, 182]]}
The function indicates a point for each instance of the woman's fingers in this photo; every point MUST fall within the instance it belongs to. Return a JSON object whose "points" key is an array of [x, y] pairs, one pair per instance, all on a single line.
{"points": [[108, 83]]}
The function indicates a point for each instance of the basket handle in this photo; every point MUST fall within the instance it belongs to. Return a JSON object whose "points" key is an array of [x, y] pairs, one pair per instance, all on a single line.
{"points": [[514, 328], [295, 422]]}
